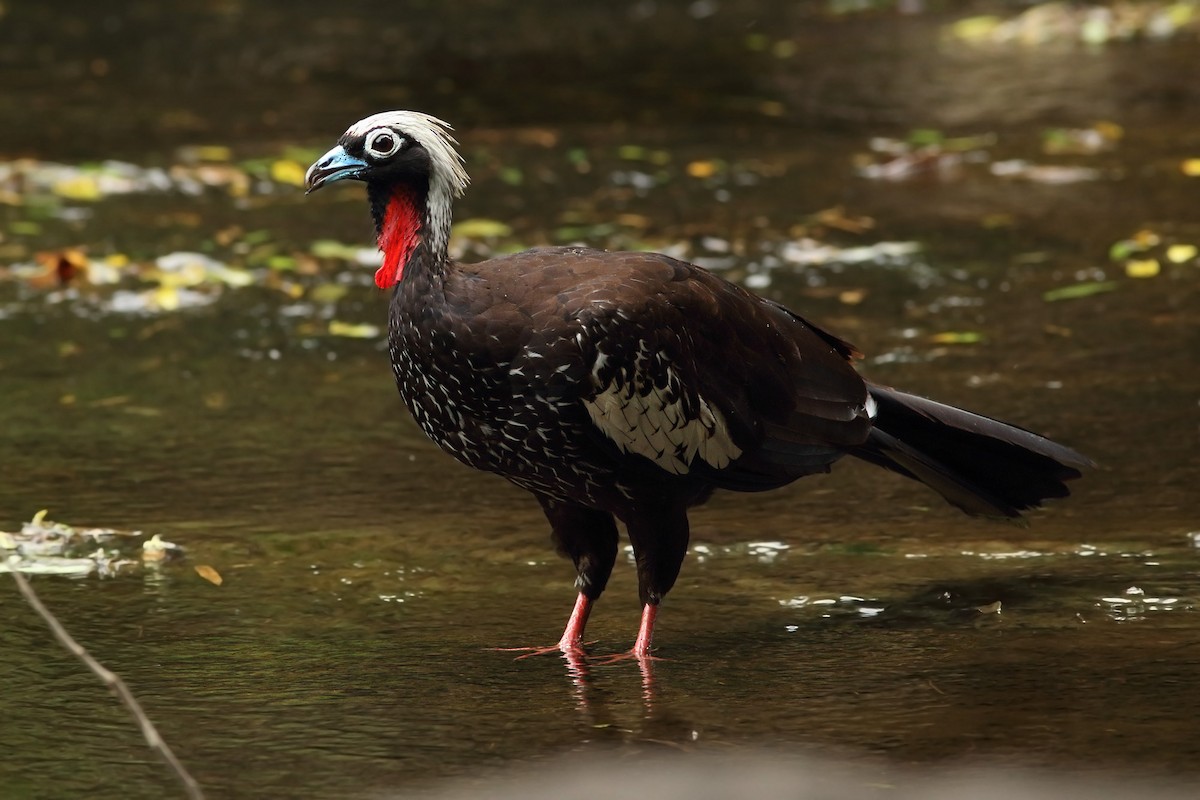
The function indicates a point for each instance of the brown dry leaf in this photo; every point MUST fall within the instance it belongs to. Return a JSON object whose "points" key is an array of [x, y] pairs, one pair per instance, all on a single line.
{"points": [[836, 218], [62, 266], [112, 400], [209, 574]]}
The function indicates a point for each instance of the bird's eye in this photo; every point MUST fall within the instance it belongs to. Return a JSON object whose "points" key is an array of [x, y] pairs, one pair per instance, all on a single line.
{"points": [[382, 143]]}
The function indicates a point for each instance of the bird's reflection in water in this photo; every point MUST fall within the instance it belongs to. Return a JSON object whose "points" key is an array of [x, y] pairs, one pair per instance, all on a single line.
{"points": [[589, 698]]}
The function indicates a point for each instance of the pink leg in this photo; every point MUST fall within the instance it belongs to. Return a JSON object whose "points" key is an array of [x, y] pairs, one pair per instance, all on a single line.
{"points": [[641, 647], [572, 638], [571, 642]]}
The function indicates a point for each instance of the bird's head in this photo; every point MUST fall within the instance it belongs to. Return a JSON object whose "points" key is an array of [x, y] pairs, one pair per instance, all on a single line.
{"points": [[413, 175]]}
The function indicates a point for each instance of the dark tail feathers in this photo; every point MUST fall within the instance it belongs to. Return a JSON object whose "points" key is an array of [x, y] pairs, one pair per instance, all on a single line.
{"points": [[981, 465]]}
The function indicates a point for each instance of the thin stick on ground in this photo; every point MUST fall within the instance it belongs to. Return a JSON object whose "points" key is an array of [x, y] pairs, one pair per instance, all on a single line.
{"points": [[113, 682]]}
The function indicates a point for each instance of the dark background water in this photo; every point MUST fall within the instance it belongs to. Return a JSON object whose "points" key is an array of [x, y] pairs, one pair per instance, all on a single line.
{"points": [[366, 574]]}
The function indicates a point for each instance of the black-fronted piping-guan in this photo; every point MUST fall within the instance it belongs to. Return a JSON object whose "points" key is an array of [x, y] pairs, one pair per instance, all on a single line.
{"points": [[629, 386]]}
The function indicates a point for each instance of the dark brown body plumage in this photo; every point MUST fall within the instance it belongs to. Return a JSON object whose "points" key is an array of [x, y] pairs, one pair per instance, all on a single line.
{"points": [[629, 386]]}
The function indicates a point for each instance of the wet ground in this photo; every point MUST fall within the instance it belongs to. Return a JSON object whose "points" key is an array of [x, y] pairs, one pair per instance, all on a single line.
{"points": [[1044, 278]]}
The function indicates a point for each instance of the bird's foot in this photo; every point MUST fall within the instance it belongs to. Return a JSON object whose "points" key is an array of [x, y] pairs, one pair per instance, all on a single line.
{"points": [[569, 649], [631, 655]]}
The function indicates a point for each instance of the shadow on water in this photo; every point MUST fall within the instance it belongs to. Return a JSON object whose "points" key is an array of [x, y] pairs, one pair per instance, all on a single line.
{"points": [[366, 575]]}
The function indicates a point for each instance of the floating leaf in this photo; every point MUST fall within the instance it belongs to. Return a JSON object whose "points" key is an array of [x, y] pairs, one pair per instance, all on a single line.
{"points": [[328, 248], [1123, 249], [975, 29], [702, 169], [482, 228], [925, 136], [207, 152], [285, 170], [24, 227], [1078, 290], [354, 331], [257, 236], [757, 42], [1191, 167], [513, 176], [1179, 253], [209, 574], [784, 48], [229, 276], [1142, 268], [78, 187], [957, 337], [164, 298], [327, 293]]}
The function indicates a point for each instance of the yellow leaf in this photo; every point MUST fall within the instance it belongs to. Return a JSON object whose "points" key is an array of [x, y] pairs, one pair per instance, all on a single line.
{"points": [[772, 108], [975, 29], [327, 292], [957, 337], [213, 152], [482, 228], [80, 187], [39, 516], [1142, 268], [702, 169], [164, 298], [1179, 253], [287, 171], [209, 574], [1191, 167], [361, 331], [1109, 130]]}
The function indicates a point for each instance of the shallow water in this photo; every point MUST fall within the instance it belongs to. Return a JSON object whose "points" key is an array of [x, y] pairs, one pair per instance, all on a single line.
{"points": [[367, 576]]}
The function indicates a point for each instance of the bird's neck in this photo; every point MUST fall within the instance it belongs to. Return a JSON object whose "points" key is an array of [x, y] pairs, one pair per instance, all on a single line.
{"points": [[410, 237]]}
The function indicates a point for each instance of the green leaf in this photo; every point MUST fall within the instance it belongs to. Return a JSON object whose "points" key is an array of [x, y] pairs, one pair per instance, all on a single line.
{"points": [[328, 248], [957, 337], [512, 176], [1077, 290], [482, 228]]}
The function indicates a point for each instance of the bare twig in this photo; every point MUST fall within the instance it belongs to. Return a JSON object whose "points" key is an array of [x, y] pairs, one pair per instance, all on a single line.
{"points": [[113, 682]]}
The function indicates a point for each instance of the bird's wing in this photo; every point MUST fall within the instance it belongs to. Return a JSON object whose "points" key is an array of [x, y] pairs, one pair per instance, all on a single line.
{"points": [[698, 375]]}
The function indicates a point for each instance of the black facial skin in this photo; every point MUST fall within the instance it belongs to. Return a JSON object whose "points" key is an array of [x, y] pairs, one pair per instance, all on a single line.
{"points": [[409, 166]]}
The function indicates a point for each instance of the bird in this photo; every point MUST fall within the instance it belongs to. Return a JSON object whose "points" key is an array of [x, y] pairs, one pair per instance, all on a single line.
{"points": [[629, 386]]}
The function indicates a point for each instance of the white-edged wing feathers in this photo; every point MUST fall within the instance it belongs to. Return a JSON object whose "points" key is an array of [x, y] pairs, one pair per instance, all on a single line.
{"points": [[645, 409]]}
